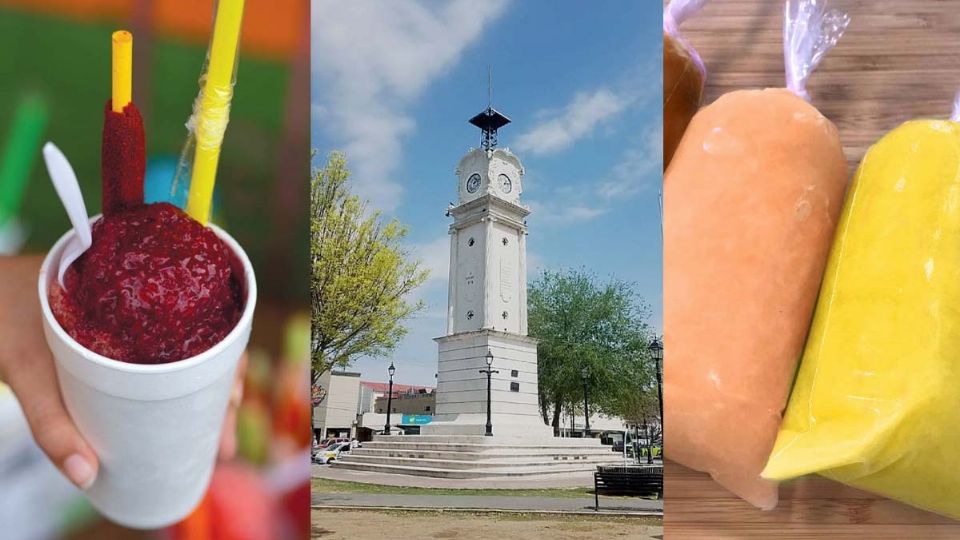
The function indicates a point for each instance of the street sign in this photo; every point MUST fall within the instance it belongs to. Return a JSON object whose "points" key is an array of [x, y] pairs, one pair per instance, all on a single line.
{"points": [[416, 419]]}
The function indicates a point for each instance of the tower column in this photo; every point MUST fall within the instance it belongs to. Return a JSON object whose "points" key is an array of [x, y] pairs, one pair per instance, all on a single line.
{"points": [[523, 275], [487, 279], [451, 278]]}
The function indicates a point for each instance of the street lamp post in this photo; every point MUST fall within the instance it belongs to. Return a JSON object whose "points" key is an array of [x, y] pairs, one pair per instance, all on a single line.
{"points": [[489, 371], [646, 428], [636, 442], [391, 370], [656, 351], [585, 374]]}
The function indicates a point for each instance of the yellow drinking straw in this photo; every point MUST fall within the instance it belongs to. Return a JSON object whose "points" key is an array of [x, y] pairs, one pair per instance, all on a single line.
{"points": [[214, 111], [121, 93]]}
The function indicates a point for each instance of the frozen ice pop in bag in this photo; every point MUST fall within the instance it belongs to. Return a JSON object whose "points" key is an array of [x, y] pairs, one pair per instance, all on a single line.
{"points": [[683, 75], [751, 201], [876, 403]]}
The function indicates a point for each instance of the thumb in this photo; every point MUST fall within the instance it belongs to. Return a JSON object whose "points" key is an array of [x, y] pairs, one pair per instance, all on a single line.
{"points": [[54, 431]]}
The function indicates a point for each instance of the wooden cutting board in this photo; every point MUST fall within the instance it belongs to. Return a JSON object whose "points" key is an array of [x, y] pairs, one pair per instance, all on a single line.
{"points": [[899, 60], [811, 507]]}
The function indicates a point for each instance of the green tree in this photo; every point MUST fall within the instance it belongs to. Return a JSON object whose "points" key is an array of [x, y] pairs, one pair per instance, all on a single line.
{"points": [[639, 407], [583, 323], [361, 276]]}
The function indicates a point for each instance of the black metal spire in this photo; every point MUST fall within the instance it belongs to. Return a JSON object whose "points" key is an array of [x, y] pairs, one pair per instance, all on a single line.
{"points": [[490, 120]]}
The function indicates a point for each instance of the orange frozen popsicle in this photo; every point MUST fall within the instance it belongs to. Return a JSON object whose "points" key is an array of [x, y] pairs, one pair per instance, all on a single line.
{"points": [[751, 200]]}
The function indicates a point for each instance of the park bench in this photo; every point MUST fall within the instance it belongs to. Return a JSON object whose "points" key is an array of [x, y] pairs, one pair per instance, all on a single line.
{"points": [[627, 480]]}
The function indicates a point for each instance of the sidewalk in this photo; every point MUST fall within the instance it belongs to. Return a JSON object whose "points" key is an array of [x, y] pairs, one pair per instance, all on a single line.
{"points": [[617, 505], [354, 524]]}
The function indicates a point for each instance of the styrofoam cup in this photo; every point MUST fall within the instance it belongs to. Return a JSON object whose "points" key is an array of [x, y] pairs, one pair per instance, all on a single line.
{"points": [[156, 428]]}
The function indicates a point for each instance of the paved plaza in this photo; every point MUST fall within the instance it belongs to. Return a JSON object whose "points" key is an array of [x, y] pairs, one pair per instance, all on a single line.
{"points": [[354, 524], [617, 505]]}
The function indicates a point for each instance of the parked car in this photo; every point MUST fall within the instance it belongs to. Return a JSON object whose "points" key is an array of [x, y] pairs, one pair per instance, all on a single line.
{"points": [[320, 448], [326, 443], [331, 453]]}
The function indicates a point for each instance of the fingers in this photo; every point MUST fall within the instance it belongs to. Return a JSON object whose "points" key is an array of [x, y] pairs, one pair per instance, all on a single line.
{"points": [[228, 439], [55, 433]]}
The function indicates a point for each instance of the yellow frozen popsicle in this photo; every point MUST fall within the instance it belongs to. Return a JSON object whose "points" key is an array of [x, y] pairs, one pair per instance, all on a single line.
{"points": [[876, 402]]}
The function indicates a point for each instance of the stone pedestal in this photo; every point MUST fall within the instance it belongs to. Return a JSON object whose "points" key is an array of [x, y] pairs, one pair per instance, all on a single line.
{"points": [[461, 407]]}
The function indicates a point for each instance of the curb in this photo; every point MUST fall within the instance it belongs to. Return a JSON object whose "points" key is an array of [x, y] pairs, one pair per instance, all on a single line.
{"points": [[638, 514]]}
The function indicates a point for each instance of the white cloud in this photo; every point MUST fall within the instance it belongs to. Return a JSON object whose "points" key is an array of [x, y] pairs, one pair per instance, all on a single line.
{"points": [[434, 256], [560, 129], [371, 60], [637, 170], [564, 211], [584, 213], [632, 173]]}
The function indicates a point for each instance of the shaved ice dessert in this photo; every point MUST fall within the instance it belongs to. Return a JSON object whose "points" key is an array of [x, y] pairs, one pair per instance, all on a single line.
{"points": [[155, 287]]}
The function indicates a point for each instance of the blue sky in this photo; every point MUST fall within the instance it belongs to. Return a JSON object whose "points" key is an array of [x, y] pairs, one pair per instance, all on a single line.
{"points": [[394, 84]]}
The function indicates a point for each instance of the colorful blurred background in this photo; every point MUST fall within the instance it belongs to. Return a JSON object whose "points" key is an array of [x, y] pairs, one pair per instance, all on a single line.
{"points": [[54, 81]]}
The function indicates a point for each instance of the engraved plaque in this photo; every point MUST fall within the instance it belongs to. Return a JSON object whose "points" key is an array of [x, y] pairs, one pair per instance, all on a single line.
{"points": [[470, 287], [506, 279]]}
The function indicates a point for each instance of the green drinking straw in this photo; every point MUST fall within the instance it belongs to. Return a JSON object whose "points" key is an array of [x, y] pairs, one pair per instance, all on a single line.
{"points": [[23, 147]]}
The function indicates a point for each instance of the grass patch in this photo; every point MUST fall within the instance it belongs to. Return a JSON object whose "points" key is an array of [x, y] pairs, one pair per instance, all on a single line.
{"points": [[339, 486]]}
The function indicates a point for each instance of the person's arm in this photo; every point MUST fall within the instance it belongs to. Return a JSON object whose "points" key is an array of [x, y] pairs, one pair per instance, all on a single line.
{"points": [[26, 364]]}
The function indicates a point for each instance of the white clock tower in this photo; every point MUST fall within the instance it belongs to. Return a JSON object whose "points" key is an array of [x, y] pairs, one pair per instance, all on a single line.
{"points": [[487, 303]]}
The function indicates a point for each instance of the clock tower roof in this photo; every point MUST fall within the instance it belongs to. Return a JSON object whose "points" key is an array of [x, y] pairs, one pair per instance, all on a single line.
{"points": [[489, 121], [488, 170]]}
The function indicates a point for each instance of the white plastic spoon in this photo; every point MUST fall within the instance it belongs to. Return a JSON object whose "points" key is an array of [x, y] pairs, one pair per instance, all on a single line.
{"points": [[68, 189]]}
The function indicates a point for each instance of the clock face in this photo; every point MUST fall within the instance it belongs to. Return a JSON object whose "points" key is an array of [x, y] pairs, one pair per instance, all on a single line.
{"points": [[506, 185], [473, 183]]}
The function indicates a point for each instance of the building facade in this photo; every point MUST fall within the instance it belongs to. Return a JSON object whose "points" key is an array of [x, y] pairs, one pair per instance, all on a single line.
{"points": [[336, 416], [370, 391], [418, 403]]}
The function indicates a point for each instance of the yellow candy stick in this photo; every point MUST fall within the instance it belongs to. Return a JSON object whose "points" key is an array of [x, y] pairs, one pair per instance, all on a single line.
{"points": [[214, 111], [122, 87]]}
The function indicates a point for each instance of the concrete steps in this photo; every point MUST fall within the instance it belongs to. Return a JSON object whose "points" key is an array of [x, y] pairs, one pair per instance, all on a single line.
{"points": [[497, 440], [465, 456], [471, 456], [436, 472], [483, 449], [458, 464]]}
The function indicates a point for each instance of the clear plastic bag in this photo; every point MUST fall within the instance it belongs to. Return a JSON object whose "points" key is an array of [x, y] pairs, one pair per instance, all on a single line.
{"points": [[810, 30], [684, 75], [751, 201], [876, 402]]}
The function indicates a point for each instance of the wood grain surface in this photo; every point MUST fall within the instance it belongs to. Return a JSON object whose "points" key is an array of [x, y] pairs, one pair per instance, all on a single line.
{"points": [[811, 507], [898, 60]]}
